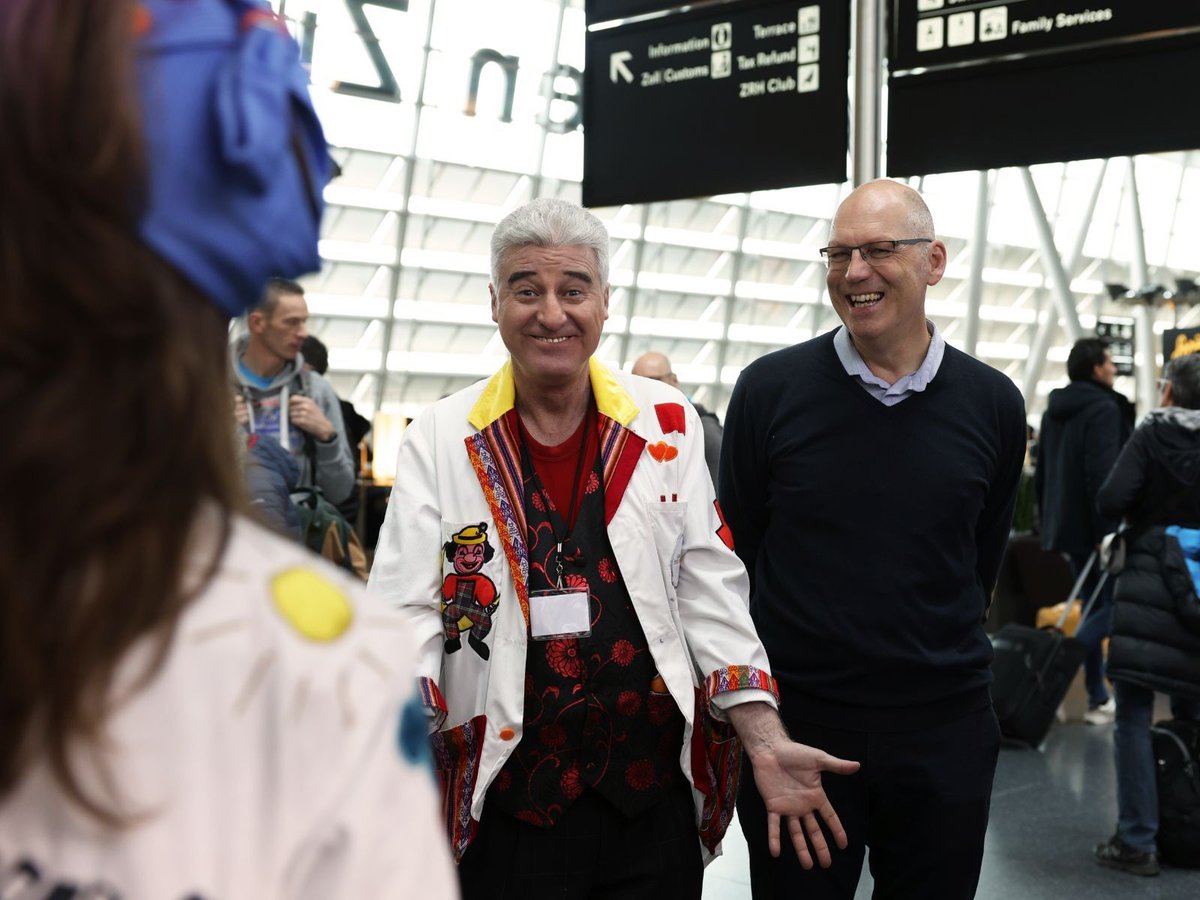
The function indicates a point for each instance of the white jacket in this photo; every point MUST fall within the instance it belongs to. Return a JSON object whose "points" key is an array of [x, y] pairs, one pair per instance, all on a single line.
{"points": [[458, 466], [280, 752]]}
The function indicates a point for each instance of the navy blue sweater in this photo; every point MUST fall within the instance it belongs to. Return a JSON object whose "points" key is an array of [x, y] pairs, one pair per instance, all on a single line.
{"points": [[873, 534]]}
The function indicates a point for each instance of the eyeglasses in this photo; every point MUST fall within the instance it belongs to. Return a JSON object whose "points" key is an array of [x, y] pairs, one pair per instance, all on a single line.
{"points": [[873, 253]]}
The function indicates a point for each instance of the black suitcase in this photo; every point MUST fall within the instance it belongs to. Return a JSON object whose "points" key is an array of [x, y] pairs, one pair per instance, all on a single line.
{"points": [[1034, 667], [1176, 746]]}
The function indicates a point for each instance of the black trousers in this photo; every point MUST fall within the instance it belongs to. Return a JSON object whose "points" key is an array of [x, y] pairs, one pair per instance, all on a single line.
{"points": [[920, 802], [592, 853]]}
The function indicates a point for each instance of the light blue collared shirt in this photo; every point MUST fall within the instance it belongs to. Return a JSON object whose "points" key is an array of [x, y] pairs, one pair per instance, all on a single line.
{"points": [[907, 385]]}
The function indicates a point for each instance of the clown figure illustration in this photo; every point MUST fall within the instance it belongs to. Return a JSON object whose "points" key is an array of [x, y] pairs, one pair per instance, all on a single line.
{"points": [[469, 598]]}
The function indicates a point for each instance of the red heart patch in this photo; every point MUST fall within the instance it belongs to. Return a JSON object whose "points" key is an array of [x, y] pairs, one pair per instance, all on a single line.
{"points": [[662, 451]]}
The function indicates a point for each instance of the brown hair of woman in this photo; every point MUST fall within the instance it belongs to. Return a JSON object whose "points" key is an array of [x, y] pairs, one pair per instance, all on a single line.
{"points": [[113, 386]]}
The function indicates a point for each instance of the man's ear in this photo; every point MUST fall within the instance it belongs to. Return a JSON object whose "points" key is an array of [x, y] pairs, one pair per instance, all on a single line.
{"points": [[495, 302], [937, 262], [607, 288], [256, 322]]}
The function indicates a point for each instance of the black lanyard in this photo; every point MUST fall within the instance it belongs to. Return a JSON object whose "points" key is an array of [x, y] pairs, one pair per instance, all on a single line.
{"points": [[578, 485]]}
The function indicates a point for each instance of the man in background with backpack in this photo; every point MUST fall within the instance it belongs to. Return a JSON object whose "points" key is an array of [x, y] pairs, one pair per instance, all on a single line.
{"points": [[275, 398]]}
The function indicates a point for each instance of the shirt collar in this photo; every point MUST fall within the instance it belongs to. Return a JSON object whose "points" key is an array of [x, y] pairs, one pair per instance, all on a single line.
{"points": [[918, 380]]}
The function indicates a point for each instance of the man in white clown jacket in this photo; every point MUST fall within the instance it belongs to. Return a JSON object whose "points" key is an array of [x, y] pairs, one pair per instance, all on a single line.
{"points": [[465, 475]]}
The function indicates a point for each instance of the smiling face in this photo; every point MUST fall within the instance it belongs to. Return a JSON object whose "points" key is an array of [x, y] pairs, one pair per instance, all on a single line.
{"points": [[884, 304], [468, 558], [550, 305]]}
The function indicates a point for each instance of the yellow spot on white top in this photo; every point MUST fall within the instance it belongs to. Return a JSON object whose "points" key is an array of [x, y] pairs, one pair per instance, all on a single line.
{"points": [[313, 606]]}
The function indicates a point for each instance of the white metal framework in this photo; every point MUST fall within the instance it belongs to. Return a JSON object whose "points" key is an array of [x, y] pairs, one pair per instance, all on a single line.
{"points": [[486, 119]]}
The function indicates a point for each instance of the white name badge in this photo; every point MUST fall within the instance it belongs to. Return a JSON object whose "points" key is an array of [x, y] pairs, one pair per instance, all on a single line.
{"points": [[559, 614]]}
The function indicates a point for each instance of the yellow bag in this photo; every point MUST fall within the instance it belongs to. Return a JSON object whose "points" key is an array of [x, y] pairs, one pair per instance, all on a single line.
{"points": [[1048, 616]]}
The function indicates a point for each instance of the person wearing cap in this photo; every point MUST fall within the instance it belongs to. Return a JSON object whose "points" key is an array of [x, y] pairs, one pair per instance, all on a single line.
{"points": [[869, 476], [595, 746], [192, 706], [657, 366], [278, 399]]}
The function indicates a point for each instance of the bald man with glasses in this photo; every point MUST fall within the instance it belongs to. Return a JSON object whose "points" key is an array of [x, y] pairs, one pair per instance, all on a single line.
{"points": [[869, 476]]}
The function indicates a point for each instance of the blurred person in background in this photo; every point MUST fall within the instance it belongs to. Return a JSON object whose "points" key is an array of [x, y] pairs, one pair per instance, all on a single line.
{"points": [[191, 706], [1155, 646], [657, 366], [278, 397], [356, 427], [1082, 432]]}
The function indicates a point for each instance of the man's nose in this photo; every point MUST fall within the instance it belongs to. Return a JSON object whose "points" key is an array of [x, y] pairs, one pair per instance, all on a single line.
{"points": [[858, 268], [550, 311]]}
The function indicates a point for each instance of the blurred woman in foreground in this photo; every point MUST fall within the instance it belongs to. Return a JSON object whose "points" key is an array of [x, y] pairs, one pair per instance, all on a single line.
{"points": [[190, 706]]}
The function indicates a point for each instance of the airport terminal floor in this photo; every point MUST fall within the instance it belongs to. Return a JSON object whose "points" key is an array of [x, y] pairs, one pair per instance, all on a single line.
{"points": [[1049, 807]]}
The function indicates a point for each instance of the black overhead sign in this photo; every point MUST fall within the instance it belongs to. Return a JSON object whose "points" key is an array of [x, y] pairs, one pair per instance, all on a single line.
{"points": [[604, 10], [979, 84], [729, 97], [930, 34]]}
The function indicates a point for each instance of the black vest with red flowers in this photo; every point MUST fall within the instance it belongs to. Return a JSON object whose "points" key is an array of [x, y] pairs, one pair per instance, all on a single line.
{"points": [[592, 715]]}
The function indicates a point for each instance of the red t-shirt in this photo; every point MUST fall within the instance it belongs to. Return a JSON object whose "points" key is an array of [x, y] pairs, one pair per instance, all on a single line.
{"points": [[556, 466]]}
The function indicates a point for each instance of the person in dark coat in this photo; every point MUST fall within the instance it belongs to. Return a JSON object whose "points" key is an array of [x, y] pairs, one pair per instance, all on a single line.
{"points": [[1155, 645], [1082, 432]]}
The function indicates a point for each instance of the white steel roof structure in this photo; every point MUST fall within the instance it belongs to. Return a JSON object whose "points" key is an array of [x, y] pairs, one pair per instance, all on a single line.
{"points": [[485, 120]]}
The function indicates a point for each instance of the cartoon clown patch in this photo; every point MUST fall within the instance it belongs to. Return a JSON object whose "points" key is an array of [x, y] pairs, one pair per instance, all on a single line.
{"points": [[469, 598]]}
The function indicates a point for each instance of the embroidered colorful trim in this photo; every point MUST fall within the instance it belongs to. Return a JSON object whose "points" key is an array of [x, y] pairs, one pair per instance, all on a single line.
{"points": [[432, 698], [737, 678], [509, 520], [456, 755], [620, 450]]}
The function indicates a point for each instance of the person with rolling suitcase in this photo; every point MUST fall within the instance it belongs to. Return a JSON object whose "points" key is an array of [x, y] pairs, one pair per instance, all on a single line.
{"points": [[1155, 487]]}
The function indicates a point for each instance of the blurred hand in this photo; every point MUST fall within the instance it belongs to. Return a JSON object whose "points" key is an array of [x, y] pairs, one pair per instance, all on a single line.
{"points": [[304, 413], [241, 411]]}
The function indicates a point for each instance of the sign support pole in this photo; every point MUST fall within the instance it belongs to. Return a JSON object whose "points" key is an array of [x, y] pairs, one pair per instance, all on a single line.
{"points": [[865, 151]]}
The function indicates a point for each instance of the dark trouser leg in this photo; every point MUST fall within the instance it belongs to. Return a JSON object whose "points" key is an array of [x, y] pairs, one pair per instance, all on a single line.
{"points": [[776, 879], [931, 794], [593, 852], [1137, 794]]}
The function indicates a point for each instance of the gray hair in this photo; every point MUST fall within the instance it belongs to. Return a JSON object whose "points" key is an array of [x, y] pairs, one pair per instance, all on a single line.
{"points": [[547, 222], [1184, 374]]}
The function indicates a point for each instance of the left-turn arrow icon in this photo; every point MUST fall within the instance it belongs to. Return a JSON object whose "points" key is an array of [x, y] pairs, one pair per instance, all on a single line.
{"points": [[616, 65]]}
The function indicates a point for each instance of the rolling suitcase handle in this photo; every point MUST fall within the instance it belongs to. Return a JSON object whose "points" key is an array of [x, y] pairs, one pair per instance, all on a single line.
{"points": [[1076, 588]]}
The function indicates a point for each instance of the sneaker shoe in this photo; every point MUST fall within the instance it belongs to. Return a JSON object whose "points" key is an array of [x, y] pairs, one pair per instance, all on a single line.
{"points": [[1102, 714], [1116, 854]]}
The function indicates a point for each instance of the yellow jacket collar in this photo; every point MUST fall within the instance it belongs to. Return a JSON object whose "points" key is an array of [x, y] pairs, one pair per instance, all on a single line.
{"points": [[499, 396]]}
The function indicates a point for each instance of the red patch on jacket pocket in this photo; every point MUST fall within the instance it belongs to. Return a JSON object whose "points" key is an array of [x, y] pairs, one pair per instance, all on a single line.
{"points": [[671, 417]]}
